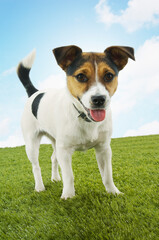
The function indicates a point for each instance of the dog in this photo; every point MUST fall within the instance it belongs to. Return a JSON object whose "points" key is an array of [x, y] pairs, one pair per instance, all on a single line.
{"points": [[77, 117]]}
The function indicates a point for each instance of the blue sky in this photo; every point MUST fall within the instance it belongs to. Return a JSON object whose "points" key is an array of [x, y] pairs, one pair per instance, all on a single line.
{"points": [[93, 25]]}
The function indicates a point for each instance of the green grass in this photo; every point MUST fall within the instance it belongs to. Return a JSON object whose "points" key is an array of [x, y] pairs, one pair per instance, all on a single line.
{"points": [[92, 213]]}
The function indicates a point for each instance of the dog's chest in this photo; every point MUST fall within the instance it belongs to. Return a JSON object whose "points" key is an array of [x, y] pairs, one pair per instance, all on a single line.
{"points": [[81, 139]]}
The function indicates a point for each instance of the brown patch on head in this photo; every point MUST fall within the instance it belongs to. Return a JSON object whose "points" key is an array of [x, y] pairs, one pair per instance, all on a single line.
{"points": [[75, 87], [103, 68], [94, 66], [112, 86], [78, 88]]}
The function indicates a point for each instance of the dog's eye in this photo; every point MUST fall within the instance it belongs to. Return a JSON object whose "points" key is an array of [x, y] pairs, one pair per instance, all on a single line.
{"points": [[108, 77], [81, 78]]}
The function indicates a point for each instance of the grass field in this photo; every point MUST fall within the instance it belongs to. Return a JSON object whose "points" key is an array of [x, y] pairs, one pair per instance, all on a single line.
{"points": [[92, 213]]}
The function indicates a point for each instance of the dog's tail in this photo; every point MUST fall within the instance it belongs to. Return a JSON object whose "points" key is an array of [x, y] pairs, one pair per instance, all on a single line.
{"points": [[23, 70]]}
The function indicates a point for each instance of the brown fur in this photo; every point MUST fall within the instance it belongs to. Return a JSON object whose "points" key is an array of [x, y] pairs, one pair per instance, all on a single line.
{"points": [[77, 88], [88, 68], [120, 55], [103, 68], [112, 86], [73, 61]]}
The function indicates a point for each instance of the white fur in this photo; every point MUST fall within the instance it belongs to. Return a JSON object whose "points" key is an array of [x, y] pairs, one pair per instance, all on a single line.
{"points": [[96, 72], [96, 89], [29, 59], [58, 119]]}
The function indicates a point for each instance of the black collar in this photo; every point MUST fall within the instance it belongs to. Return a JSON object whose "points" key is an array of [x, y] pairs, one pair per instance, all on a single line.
{"points": [[82, 115]]}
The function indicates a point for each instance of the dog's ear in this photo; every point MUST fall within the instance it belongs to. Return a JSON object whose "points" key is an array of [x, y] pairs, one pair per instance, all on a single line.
{"points": [[119, 55], [66, 55]]}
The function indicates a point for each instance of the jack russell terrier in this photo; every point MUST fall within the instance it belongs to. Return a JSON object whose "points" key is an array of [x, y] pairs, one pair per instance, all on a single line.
{"points": [[74, 118]]}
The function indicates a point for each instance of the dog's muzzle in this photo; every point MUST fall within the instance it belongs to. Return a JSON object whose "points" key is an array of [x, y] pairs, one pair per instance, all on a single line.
{"points": [[98, 101], [97, 112]]}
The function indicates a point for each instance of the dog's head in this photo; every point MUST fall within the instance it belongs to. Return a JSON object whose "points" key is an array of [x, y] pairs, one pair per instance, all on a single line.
{"points": [[92, 78]]}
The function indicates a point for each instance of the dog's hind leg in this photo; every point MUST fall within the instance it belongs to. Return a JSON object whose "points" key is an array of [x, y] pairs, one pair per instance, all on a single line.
{"points": [[55, 176], [32, 150]]}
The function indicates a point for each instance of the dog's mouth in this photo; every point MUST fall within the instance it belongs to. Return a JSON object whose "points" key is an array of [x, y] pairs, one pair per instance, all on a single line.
{"points": [[96, 115]]}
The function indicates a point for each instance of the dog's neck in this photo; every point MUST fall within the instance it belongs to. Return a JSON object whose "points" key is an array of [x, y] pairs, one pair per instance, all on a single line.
{"points": [[78, 107], [82, 114]]}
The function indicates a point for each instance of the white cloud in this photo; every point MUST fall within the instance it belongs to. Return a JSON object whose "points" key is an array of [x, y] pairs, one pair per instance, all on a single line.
{"points": [[4, 126], [53, 81], [16, 139], [13, 140], [139, 79], [8, 72], [146, 129], [138, 14]]}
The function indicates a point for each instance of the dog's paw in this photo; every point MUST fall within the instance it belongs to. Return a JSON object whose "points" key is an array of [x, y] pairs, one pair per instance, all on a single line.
{"points": [[67, 195], [113, 189], [56, 178], [39, 188]]}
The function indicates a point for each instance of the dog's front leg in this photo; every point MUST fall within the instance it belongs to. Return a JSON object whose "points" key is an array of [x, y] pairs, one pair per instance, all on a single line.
{"points": [[104, 157], [64, 158]]}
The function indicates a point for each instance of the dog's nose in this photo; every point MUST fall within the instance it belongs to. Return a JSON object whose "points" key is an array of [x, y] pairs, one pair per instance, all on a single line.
{"points": [[98, 100]]}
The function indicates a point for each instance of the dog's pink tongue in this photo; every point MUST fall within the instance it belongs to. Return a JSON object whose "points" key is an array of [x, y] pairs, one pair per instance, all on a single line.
{"points": [[97, 115]]}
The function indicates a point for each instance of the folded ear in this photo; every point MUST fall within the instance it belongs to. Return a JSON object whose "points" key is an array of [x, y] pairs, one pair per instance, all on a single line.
{"points": [[119, 55], [66, 55]]}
